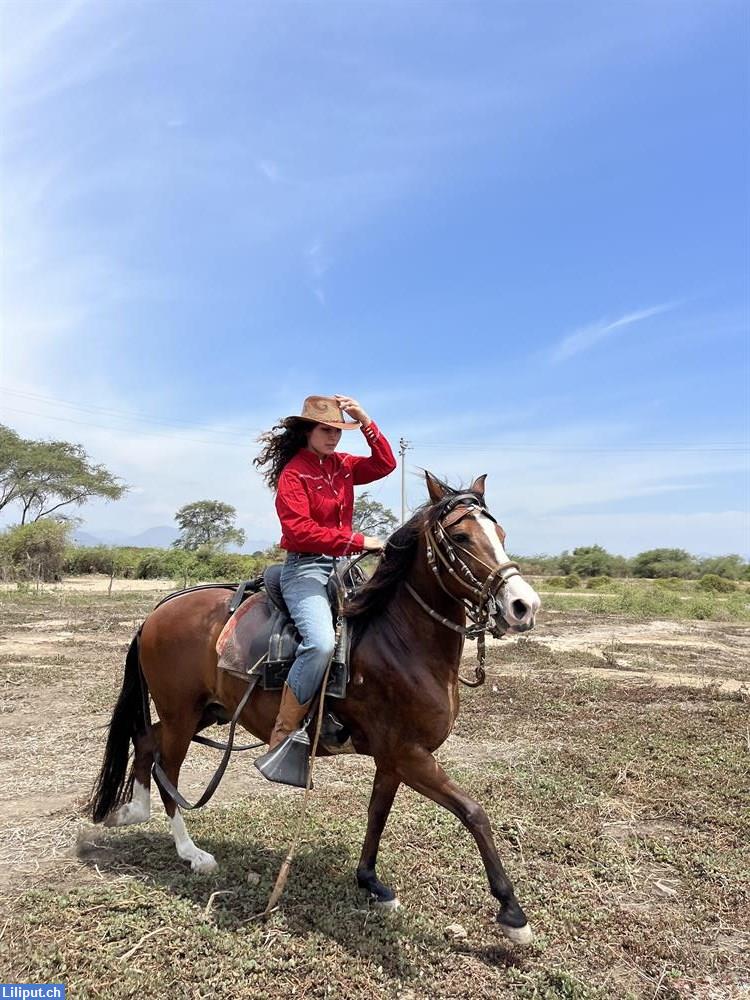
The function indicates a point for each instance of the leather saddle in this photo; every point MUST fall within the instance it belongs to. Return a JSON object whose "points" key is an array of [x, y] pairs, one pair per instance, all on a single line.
{"points": [[265, 641]]}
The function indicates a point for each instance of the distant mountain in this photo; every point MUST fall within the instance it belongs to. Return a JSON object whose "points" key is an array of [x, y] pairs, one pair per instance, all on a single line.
{"points": [[158, 538]]}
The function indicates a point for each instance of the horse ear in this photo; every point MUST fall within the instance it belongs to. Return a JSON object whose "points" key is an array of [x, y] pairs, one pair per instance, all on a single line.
{"points": [[435, 487], [478, 485]]}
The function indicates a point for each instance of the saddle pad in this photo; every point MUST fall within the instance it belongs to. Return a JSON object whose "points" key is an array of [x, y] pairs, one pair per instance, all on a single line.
{"points": [[268, 640], [233, 645]]}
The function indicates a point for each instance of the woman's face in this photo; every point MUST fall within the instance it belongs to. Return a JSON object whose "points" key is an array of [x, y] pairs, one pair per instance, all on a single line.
{"points": [[323, 439]]}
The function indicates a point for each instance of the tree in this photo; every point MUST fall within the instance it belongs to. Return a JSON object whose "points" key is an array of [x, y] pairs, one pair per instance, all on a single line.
{"points": [[593, 560], [373, 518], [732, 567], [660, 563], [45, 476], [209, 524]]}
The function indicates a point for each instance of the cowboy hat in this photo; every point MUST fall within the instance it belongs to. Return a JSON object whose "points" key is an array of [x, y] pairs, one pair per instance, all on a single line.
{"points": [[324, 410]]}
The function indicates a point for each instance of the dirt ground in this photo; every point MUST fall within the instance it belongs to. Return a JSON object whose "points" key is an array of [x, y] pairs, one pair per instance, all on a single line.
{"points": [[61, 661]]}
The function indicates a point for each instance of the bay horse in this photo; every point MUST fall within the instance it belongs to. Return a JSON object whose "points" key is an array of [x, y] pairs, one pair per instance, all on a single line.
{"points": [[409, 624]]}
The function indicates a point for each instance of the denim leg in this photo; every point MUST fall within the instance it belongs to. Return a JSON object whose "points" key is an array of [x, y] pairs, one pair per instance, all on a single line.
{"points": [[303, 584]]}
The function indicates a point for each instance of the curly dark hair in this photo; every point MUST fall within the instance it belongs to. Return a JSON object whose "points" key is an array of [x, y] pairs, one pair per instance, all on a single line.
{"points": [[282, 442]]}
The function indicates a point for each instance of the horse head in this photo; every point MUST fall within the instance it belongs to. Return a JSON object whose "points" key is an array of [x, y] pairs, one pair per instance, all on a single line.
{"points": [[466, 550]]}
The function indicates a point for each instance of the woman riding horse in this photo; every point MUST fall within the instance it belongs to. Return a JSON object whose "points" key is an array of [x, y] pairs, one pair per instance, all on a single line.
{"points": [[315, 501], [444, 576]]}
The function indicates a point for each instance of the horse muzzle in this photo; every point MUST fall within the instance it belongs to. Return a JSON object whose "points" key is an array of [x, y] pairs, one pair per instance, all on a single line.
{"points": [[519, 605]]}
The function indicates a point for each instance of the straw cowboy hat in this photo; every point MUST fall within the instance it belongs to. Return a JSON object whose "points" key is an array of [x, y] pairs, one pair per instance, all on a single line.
{"points": [[324, 410]]}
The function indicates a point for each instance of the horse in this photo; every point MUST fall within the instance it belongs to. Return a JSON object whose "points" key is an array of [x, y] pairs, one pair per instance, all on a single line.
{"points": [[409, 626]]}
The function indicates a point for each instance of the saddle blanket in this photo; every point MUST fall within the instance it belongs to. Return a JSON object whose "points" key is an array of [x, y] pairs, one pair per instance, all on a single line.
{"points": [[260, 637]]}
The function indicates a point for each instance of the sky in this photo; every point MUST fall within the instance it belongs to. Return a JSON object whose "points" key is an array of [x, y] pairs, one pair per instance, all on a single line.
{"points": [[517, 232]]}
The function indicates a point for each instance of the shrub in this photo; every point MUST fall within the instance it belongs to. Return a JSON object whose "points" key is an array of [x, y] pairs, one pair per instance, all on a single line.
{"points": [[35, 551], [716, 584], [538, 565], [171, 564], [569, 582], [598, 582]]}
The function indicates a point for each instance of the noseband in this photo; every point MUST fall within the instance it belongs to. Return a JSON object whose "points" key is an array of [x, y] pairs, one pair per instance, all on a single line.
{"points": [[480, 604]]}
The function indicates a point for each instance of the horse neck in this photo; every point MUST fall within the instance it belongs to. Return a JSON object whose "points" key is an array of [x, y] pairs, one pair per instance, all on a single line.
{"points": [[437, 646]]}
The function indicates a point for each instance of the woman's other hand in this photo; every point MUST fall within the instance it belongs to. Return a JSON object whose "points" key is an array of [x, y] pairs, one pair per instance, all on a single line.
{"points": [[371, 544], [353, 409]]}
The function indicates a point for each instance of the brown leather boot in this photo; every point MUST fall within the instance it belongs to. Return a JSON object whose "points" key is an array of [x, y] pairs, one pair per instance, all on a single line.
{"points": [[291, 713]]}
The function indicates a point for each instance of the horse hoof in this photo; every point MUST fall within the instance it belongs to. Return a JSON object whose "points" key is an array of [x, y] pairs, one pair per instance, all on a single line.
{"points": [[202, 863], [386, 905], [518, 935]]}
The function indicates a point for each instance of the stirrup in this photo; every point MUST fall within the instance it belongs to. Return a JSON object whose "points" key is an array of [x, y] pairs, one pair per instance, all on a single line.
{"points": [[289, 762]]}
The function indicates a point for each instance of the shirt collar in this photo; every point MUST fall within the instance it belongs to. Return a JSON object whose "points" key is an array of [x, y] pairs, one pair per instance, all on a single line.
{"points": [[313, 461]]}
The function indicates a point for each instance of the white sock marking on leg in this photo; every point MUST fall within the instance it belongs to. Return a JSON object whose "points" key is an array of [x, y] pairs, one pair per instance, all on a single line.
{"points": [[138, 810], [200, 861]]}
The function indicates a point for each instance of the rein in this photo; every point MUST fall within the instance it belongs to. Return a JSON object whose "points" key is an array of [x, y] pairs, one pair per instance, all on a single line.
{"points": [[480, 605]]}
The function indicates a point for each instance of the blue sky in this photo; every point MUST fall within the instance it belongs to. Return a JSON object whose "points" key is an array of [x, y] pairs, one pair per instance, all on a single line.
{"points": [[517, 232]]}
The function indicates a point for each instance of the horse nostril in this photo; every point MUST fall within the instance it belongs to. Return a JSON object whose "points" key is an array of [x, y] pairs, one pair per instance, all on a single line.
{"points": [[519, 609]]}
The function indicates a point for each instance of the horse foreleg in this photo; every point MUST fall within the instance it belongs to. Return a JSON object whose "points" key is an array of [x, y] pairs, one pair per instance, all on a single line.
{"points": [[175, 741], [384, 790], [421, 771]]}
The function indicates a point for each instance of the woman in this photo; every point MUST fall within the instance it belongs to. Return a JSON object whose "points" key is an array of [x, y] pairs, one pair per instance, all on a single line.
{"points": [[315, 502]]}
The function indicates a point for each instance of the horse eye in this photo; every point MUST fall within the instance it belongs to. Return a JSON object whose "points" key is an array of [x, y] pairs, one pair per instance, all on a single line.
{"points": [[461, 538]]}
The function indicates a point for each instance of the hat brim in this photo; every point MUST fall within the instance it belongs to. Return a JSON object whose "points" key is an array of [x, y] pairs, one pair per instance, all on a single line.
{"points": [[341, 425]]}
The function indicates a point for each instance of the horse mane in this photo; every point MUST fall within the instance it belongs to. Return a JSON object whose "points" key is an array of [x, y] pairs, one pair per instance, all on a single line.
{"points": [[398, 556]]}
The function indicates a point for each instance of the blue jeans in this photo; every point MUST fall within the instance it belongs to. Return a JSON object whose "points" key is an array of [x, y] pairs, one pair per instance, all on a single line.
{"points": [[303, 584]]}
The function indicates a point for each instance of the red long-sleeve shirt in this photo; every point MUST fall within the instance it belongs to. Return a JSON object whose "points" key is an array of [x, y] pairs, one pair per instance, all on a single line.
{"points": [[315, 497]]}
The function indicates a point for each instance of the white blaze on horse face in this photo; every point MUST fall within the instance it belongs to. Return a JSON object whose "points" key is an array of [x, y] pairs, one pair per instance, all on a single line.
{"points": [[200, 861], [519, 601]]}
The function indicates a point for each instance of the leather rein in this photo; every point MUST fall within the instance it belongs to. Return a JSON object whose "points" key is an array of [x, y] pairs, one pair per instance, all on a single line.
{"points": [[480, 604]]}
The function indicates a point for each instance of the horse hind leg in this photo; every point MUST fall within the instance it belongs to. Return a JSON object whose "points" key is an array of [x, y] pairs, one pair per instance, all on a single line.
{"points": [[138, 809], [175, 740]]}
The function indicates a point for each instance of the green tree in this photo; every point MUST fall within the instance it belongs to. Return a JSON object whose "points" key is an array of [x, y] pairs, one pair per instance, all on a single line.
{"points": [[372, 517], [660, 563], [593, 560], [209, 524], [45, 476], [732, 567]]}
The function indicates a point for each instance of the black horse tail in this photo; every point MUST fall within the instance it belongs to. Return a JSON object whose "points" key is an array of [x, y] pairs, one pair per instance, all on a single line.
{"points": [[114, 785]]}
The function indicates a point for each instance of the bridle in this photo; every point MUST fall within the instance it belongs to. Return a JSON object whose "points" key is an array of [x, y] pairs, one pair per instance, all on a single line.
{"points": [[480, 603]]}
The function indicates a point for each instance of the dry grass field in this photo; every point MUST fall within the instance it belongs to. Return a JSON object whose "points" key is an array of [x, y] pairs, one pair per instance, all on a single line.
{"points": [[610, 749]]}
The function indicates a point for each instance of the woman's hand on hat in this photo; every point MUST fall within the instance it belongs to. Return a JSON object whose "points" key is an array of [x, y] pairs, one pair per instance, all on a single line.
{"points": [[353, 409], [372, 544]]}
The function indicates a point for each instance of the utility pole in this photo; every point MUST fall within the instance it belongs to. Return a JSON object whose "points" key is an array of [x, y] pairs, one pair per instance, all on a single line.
{"points": [[403, 446]]}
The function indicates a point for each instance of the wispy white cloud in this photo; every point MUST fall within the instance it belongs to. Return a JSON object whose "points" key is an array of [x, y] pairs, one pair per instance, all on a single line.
{"points": [[33, 36], [318, 263], [588, 336], [269, 169]]}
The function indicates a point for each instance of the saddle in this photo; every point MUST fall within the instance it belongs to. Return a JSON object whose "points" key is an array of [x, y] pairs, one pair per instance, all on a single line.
{"points": [[260, 637]]}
